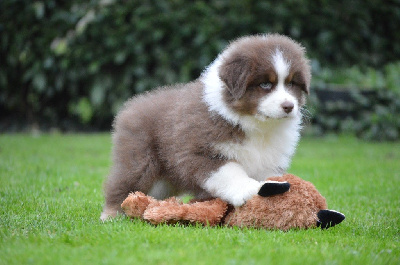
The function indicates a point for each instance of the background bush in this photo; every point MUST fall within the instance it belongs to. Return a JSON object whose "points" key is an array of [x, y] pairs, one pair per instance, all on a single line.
{"points": [[72, 64], [351, 100]]}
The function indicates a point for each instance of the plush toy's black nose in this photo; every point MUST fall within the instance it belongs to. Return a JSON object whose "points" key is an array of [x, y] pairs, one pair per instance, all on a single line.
{"points": [[271, 188], [329, 218]]}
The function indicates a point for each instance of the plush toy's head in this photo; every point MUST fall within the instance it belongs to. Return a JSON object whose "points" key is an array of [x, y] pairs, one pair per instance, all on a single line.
{"points": [[300, 207]]}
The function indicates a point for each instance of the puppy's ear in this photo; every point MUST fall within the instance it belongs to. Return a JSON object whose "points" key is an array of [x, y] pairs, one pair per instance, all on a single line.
{"points": [[306, 85], [303, 81], [306, 89], [235, 73]]}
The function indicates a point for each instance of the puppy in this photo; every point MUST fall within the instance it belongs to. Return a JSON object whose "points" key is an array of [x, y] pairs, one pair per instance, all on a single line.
{"points": [[218, 136]]}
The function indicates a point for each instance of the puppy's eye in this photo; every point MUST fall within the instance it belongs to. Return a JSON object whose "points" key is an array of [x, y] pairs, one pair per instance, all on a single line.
{"points": [[290, 84], [266, 86]]}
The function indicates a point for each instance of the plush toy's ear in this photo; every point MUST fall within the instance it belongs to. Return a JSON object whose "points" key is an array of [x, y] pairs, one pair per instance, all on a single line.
{"points": [[329, 218], [271, 188]]}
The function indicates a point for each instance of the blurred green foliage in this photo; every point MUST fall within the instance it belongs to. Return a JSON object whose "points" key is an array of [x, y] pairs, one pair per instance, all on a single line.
{"points": [[359, 100], [363, 78], [74, 63], [369, 114]]}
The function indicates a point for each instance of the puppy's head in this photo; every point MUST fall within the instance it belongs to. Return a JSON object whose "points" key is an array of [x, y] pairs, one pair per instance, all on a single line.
{"points": [[265, 76]]}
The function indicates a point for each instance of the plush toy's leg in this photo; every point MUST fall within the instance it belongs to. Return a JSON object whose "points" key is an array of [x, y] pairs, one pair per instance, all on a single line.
{"points": [[207, 212], [329, 218], [271, 188]]}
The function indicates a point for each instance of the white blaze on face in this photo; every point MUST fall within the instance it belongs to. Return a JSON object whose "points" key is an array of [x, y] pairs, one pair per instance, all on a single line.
{"points": [[271, 105], [281, 66]]}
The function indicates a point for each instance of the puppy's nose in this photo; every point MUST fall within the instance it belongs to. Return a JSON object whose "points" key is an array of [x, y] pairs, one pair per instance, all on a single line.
{"points": [[287, 106]]}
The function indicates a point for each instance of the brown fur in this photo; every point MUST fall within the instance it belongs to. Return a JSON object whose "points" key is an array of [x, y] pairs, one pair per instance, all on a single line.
{"points": [[152, 140], [297, 208], [246, 67], [168, 134], [171, 211]]}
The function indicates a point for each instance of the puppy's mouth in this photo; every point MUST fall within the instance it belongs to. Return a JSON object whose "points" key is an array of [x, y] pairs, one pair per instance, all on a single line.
{"points": [[264, 117]]}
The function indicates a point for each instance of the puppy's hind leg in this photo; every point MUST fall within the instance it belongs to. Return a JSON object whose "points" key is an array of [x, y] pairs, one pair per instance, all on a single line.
{"points": [[123, 181], [162, 189], [135, 169]]}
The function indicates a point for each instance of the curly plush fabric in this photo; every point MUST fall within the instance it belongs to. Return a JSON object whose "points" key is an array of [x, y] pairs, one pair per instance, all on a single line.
{"points": [[170, 211], [296, 208]]}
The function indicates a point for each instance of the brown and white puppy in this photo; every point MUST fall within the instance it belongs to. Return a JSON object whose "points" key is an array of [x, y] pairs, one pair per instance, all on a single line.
{"points": [[219, 136]]}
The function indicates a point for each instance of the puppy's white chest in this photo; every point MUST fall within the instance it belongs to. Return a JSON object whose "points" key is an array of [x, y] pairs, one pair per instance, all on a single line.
{"points": [[259, 155]]}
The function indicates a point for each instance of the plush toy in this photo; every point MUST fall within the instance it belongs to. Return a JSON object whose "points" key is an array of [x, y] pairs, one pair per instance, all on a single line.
{"points": [[301, 207]]}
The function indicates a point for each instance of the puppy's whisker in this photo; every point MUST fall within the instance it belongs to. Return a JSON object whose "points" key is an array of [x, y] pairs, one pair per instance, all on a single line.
{"points": [[306, 115]]}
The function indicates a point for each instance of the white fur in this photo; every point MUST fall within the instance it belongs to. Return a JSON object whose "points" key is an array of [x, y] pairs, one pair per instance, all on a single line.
{"points": [[240, 187], [271, 136], [213, 92], [270, 105], [281, 66], [265, 152], [213, 96]]}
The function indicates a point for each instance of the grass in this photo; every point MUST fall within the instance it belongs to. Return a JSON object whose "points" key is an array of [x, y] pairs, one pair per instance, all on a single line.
{"points": [[51, 198]]}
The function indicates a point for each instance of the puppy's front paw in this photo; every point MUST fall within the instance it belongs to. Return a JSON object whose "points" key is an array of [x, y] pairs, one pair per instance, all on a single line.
{"points": [[240, 197], [238, 201], [271, 188]]}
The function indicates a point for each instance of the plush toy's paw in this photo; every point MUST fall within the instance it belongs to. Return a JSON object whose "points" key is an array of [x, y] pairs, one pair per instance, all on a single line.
{"points": [[329, 218], [271, 188], [136, 203]]}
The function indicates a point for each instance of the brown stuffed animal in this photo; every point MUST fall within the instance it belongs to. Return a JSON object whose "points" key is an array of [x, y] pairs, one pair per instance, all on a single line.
{"points": [[301, 207]]}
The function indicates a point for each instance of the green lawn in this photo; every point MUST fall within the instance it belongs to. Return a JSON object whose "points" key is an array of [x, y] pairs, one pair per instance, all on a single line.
{"points": [[51, 199]]}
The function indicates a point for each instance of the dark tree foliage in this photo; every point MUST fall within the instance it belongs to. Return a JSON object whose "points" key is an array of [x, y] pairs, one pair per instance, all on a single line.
{"points": [[69, 63]]}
